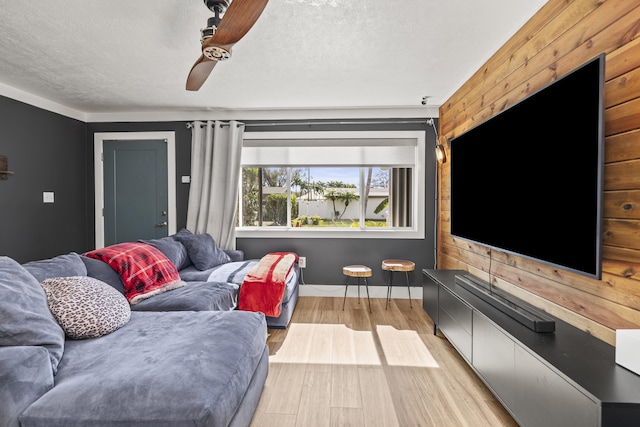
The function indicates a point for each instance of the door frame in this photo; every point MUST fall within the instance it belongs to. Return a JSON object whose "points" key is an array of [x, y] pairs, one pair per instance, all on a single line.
{"points": [[98, 155]]}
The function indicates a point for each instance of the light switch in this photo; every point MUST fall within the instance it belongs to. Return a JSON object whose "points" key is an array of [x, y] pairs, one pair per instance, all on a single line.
{"points": [[186, 179], [47, 197]]}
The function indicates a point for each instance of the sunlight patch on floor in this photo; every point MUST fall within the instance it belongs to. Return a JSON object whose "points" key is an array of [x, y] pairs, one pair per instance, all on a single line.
{"points": [[404, 348], [326, 344], [340, 345]]}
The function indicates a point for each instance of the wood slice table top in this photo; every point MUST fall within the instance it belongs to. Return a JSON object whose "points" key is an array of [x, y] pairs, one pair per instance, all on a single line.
{"points": [[398, 265], [356, 271]]}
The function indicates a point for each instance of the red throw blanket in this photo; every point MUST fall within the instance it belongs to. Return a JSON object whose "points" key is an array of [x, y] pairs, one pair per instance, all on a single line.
{"points": [[264, 285], [144, 270]]}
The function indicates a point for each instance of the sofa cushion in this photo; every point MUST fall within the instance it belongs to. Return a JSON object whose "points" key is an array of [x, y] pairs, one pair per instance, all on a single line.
{"points": [[25, 375], [202, 249], [194, 296], [25, 318], [235, 255], [86, 307], [102, 271], [172, 249], [161, 369], [60, 266]]}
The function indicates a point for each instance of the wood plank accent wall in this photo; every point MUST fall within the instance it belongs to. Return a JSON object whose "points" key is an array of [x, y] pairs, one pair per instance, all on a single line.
{"points": [[560, 37]]}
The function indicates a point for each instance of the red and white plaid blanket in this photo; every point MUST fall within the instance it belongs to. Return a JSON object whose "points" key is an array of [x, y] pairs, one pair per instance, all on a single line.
{"points": [[144, 270], [264, 285]]}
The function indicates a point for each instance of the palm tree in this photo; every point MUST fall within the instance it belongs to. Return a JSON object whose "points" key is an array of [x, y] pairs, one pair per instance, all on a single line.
{"points": [[333, 195], [318, 188], [347, 197], [297, 180]]}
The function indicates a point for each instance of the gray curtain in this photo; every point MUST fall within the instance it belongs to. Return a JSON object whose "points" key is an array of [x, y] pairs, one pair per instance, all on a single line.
{"points": [[401, 197], [216, 148]]}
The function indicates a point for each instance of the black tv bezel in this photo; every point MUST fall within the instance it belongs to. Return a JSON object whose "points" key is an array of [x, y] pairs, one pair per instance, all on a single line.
{"points": [[598, 226]]}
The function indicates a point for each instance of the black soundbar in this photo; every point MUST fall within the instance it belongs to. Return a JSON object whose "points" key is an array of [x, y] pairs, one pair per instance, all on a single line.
{"points": [[519, 310]]}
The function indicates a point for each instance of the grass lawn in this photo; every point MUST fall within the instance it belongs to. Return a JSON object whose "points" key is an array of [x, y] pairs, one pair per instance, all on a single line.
{"points": [[343, 223]]}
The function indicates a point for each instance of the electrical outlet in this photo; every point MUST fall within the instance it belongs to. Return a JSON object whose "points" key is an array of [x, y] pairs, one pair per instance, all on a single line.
{"points": [[302, 261], [48, 197]]}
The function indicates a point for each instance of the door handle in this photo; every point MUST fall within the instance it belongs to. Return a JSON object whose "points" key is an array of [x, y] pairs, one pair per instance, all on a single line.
{"points": [[162, 224]]}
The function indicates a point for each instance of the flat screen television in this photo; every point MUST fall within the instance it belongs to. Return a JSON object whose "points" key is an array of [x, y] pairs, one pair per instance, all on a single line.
{"points": [[528, 181]]}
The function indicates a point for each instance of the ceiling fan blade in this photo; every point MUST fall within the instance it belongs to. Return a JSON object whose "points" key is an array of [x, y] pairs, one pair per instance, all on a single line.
{"points": [[236, 22], [199, 72]]}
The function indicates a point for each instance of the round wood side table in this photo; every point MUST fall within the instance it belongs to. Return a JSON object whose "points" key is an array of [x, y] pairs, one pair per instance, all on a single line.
{"points": [[357, 271], [393, 265]]}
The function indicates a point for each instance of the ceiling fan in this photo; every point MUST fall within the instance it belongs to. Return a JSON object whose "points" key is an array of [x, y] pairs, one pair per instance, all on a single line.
{"points": [[221, 33]]}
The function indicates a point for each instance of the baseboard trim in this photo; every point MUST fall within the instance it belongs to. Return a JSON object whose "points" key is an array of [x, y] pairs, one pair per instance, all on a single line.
{"points": [[375, 291]]}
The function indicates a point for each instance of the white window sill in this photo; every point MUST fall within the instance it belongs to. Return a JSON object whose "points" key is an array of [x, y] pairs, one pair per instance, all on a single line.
{"points": [[328, 233]]}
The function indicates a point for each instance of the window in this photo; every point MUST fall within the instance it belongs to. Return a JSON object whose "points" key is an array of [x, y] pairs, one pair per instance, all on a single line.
{"points": [[332, 184]]}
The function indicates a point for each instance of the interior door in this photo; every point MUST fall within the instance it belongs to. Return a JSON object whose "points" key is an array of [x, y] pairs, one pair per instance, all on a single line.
{"points": [[135, 190]]}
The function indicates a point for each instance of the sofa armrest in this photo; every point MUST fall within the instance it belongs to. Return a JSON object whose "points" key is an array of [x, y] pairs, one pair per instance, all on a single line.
{"points": [[25, 375], [235, 254]]}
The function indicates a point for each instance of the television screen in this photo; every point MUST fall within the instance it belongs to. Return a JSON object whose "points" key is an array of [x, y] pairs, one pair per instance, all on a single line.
{"points": [[528, 180]]}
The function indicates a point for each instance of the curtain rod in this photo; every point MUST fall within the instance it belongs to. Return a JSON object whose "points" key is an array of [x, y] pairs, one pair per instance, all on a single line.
{"points": [[347, 122], [191, 124], [312, 123]]}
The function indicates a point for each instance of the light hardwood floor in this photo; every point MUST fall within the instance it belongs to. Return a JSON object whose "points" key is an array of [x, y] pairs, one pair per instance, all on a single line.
{"points": [[352, 368]]}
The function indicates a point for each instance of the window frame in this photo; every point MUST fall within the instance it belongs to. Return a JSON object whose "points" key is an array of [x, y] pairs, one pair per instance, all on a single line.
{"points": [[416, 231]]}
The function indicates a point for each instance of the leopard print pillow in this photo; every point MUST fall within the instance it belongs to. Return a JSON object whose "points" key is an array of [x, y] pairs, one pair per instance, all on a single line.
{"points": [[86, 307]]}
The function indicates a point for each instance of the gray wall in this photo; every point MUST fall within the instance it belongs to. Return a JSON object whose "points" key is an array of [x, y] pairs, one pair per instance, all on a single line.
{"points": [[50, 152], [47, 152], [325, 257]]}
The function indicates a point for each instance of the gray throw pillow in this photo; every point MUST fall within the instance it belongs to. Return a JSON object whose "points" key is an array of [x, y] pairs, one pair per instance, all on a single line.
{"points": [[102, 271], [172, 249], [25, 319], [61, 265], [86, 307], [202, 249]]}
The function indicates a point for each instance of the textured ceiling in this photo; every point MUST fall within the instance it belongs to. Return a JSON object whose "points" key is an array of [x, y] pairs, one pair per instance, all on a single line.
{"points": [[98, 56]]}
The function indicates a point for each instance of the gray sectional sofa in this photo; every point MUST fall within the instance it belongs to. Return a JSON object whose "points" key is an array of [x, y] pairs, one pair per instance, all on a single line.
{"points": [[182, 357], [212, 276]]}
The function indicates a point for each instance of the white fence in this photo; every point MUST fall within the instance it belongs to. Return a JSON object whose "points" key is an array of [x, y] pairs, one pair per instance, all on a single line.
{"points": [[324, 209]]}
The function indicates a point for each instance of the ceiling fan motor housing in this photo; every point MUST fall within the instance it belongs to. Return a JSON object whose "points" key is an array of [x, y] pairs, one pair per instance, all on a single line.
{"points": [[219, 6], [208, 31], [216, 53]]}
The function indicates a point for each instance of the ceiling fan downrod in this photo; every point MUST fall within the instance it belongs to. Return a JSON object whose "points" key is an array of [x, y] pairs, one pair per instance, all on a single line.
{"points": [[218, 7]]}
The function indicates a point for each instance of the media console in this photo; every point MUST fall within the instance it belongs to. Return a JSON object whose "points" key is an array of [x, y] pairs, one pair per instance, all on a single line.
{"points": [[563, 377]]}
